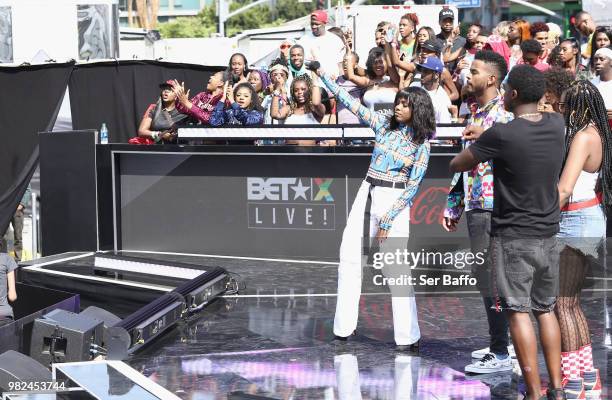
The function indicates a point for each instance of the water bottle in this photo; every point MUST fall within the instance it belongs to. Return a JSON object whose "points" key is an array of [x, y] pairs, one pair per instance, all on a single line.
{"points": [[103, 134]]}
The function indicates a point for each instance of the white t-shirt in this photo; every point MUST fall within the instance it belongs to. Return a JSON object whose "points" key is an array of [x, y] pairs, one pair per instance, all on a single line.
{"points": [[441, 102], [328, 49], [605, 88], [301, 119]]}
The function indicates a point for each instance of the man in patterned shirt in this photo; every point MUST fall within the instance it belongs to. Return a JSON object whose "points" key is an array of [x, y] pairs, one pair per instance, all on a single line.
{"points": [[472, 191]]}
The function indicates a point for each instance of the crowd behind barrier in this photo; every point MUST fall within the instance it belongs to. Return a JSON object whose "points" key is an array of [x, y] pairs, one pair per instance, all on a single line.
{"points": [[404, 54], [524, 98]]}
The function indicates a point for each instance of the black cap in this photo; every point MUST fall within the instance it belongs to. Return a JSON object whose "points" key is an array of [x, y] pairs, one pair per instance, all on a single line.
{"points": [[446, 13], [167, 84], [432, 45]]}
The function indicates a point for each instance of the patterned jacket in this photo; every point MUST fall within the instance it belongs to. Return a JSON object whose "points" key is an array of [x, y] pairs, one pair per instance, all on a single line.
{"points": [[473, 190], [395, 158]]}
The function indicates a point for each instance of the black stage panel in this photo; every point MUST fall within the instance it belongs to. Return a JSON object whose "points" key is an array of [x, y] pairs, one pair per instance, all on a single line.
{"points": [[68, 190], [289, 202]]}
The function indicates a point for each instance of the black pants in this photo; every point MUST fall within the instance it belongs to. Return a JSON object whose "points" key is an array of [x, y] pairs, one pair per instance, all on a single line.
{"points": [[479, 228]]}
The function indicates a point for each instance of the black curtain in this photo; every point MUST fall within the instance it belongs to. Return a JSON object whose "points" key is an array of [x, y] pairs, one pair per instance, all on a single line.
{"points": [[31, 99], [118, 93]]}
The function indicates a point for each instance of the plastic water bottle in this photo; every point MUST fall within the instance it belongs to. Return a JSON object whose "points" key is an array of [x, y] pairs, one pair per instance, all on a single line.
{"points": [[103, 134]]}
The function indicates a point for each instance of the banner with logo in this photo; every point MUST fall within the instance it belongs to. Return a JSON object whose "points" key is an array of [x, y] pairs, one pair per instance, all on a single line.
{"points": [[292, 205]]}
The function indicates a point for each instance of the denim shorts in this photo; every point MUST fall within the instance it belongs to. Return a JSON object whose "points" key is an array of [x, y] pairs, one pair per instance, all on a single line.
{"points": [[525, 273], [584, 230]]}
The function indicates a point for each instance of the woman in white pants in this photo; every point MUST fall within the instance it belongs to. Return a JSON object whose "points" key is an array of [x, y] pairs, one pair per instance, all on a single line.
{"points": [[382, 206]]}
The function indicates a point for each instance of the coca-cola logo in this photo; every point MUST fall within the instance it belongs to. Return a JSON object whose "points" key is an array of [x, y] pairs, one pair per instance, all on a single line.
{"points": [[428, 206]]}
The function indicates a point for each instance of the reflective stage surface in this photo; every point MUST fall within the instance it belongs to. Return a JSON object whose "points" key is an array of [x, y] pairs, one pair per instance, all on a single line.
{"points": [[274, 339]]}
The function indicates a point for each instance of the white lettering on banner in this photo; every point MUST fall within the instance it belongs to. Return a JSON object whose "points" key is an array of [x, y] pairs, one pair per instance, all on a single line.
{"points": [[290, 203], [292, 216], [257, 220], [268, 189]]}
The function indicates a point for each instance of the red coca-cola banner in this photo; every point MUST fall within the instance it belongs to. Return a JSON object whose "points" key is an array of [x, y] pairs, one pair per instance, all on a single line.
{"points": [[428, 205]]}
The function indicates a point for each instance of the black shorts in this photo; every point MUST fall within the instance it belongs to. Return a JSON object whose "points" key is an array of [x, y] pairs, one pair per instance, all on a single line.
{"points": [[525, 273]]}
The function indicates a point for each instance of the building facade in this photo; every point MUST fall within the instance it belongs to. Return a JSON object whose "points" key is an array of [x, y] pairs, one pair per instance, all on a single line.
{"points": [[168, 9]]}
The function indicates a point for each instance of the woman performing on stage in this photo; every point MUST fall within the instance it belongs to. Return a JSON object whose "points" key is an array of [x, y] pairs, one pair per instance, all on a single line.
{"points": [[382, 206], [585, 190]]}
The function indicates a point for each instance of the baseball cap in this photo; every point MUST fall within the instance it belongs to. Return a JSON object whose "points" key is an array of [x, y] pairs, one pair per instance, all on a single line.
{"points": [[320, 16], [446, 13], [432, 45], [167, 84], [432, 63]]}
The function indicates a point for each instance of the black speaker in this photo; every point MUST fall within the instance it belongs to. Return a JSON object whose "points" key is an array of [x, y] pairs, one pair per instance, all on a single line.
{"points": [[17, 367], [108, 318], [63, 336]]}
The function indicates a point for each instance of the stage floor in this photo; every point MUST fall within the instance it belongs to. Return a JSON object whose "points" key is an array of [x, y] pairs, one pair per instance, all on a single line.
{"points": [[274, 339]]}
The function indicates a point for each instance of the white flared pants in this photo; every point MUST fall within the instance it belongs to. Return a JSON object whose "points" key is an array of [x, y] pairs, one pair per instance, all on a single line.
{"points": [[405, 321]]}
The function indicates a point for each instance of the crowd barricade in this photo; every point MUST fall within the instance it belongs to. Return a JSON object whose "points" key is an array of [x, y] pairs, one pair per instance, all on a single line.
{"points": [[320, 132]]}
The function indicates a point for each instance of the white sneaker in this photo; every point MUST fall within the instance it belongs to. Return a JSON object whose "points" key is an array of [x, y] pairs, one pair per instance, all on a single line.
{"points": [[488, 364], [478, 354]]}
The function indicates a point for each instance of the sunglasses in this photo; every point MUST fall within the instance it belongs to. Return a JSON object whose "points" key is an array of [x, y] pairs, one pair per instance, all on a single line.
{"points": [[285, 46], [381, 30]]}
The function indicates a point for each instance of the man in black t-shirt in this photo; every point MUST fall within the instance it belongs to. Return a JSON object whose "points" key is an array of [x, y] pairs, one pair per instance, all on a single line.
{"points": [[527, 156], [448, 35]]}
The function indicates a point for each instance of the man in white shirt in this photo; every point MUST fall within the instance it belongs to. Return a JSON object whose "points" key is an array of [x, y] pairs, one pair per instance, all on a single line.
{"points": [[326, 48], [603, 67], [431, 70]]}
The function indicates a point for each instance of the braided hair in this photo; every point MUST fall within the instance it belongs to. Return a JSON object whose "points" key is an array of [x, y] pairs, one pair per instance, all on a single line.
{"points": [[584, 105], [308, 107]]}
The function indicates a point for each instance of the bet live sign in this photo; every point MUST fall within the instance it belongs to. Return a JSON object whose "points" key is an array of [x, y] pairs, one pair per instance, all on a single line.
{"points": [[464, 3]]}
